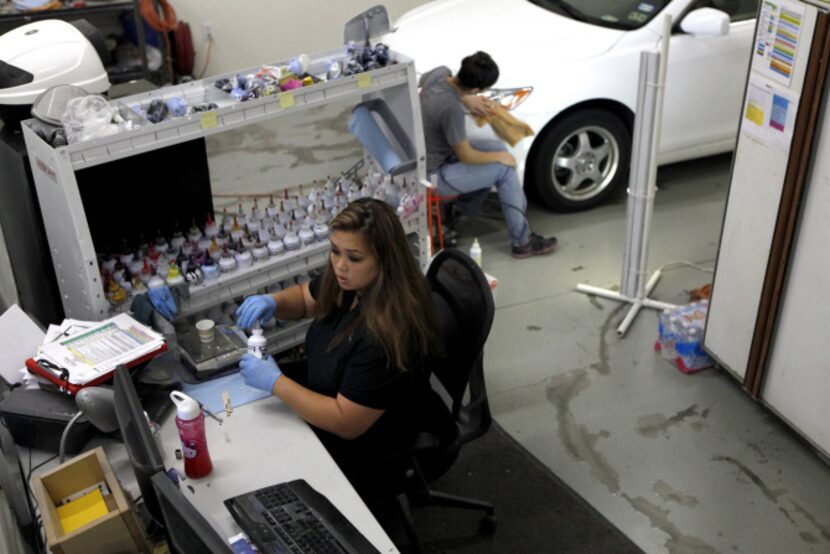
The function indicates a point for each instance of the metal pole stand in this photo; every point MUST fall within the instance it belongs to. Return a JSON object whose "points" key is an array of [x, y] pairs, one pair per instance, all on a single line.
{"points": [[634, 288]]}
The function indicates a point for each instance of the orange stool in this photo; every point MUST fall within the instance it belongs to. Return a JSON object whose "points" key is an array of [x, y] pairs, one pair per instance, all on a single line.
{"points": [[434, 204]]}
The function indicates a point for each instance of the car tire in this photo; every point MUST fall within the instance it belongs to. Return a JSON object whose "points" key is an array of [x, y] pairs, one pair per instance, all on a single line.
{"points": [[581, 160]]}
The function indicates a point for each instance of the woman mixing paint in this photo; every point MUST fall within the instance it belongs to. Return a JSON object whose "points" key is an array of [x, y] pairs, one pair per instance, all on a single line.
{"points": [[364, 386]]}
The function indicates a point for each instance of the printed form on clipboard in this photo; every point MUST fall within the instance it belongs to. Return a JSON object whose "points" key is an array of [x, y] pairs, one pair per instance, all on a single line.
{"points": [[90, 356]]}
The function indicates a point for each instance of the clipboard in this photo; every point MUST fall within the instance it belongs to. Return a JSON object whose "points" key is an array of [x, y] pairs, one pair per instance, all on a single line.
{"points": [[90, 356], [60, 376]]}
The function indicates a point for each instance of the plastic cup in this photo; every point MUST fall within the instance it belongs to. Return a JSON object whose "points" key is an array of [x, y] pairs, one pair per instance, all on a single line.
{"points": [[206, 329]]}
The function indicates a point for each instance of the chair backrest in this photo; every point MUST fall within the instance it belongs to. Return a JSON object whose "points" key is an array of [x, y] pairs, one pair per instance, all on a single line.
{"points": [[464, 308]]}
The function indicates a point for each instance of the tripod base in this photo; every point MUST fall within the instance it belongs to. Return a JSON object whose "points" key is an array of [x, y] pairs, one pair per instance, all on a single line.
{"points": [[636, 303]]}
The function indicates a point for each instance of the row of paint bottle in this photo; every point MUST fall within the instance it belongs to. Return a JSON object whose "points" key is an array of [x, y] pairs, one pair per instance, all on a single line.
{"points": [[243, 238]]}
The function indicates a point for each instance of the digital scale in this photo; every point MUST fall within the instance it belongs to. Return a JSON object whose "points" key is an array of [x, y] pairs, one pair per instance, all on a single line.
{"points": [[206, 359]]}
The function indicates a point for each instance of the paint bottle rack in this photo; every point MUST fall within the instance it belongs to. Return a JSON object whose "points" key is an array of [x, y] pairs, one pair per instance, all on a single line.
{"points": [[243, 281], [68, 232]]}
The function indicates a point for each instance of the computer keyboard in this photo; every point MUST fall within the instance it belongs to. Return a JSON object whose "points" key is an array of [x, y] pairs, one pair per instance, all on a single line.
{"points": [[292, 517]]}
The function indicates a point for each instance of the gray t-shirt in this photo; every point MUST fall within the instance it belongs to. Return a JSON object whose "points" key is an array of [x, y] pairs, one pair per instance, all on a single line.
{"points": [[443, 116]]}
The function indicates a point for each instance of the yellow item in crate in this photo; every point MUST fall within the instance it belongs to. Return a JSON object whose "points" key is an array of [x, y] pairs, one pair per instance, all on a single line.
{"points": [[81, 511]]}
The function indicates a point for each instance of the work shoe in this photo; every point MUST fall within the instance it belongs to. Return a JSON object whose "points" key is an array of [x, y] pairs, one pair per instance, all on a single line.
{"points": [[535, 246]]}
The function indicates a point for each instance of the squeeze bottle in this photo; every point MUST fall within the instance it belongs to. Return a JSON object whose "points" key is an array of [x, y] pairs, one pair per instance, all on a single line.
{"points": [[475, 252], [191, 424], [257, 343]]}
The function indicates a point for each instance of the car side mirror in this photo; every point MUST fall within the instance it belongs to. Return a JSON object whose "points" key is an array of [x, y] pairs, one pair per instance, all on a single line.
{"points": [[705, 21]]}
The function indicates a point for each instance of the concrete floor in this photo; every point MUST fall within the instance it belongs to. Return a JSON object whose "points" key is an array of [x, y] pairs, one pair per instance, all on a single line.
{"points": [[683, 464], [680, 463]]}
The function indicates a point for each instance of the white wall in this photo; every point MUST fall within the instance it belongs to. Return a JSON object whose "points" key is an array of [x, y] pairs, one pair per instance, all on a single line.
{"points": [[252, 32]]}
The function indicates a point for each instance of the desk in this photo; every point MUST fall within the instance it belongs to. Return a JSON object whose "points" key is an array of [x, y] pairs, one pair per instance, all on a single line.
{"points": [[261, 444]]}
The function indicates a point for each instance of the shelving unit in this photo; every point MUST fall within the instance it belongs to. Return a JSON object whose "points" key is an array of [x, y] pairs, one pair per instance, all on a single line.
{"points": [[67, 228]]}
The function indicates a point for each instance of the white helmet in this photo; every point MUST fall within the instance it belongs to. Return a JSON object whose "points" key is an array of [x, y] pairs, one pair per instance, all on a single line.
{"points": [[46, 53]]}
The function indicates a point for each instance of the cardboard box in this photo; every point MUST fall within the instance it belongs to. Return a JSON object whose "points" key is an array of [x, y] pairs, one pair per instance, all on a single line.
{"points": [[115, 532]]}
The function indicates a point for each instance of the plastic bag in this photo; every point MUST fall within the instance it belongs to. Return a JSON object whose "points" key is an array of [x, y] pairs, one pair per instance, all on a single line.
{"points": [[93, 116]]}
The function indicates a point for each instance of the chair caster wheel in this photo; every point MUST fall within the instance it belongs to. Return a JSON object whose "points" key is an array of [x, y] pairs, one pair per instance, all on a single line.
{"points": [[488, 525]]}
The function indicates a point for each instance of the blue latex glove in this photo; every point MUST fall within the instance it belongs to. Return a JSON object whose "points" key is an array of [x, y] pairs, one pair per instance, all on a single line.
{"points": [[261, 307], [260, 374], [163, 302]]}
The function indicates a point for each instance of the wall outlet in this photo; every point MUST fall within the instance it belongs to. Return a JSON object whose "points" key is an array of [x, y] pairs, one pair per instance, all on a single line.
{"points": [[207, 31]]}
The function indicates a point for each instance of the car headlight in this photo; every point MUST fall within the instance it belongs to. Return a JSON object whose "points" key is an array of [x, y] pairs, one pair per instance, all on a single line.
{"points": [[510, 98]]}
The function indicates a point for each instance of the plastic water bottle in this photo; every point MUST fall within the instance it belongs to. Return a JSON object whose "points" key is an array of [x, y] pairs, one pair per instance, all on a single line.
{"points": [[670, 330], [475, 252], [190, 422], [258, 344]]}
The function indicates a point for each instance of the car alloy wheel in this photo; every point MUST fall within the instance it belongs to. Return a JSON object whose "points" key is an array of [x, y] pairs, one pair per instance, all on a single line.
{"points": [[582, 160]]}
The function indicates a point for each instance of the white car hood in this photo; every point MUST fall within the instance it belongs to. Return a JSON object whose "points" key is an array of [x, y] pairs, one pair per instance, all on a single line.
{"points": [[444, 32]]}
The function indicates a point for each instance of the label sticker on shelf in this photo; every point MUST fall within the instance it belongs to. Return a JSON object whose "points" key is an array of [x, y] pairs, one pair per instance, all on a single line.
{"points": [[364, 80], [286, 100], [209, 120]]}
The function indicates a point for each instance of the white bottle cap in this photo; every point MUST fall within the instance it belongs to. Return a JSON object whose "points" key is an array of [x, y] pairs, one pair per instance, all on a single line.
{"points": [[155, 282], [256, 331], [186, 407]]}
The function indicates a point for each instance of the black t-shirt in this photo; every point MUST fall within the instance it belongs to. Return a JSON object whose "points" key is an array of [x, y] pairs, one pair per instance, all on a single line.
{"points": [[357, 367]]}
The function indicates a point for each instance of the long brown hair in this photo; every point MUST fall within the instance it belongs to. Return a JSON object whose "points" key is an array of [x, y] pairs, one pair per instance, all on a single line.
{"points": [[396, 309]]}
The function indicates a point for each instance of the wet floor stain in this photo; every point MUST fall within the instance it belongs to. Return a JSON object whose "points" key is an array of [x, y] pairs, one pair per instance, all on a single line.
{"points": [[577, 440], [533, 328], [823, 529], [604, 364], [227, 437], [595, 302], [697, 426], [678, 543], [669, 494], [771, 494], [655, 424], [580, 442], [577, 268]]}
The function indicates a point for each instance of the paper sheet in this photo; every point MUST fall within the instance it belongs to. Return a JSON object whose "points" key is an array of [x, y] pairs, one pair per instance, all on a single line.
{"points": [[88, 352], [19, 339]]}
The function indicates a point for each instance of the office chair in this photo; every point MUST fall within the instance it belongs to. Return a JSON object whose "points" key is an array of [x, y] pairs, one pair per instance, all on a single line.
{"points": [[14, 494], [464, 308]]}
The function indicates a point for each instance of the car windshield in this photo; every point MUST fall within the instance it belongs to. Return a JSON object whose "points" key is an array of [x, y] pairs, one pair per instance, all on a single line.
{"points": [[617, 14]]}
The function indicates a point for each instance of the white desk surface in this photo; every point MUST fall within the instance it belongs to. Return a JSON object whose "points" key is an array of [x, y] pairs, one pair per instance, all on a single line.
{"points": [[261, 444]]}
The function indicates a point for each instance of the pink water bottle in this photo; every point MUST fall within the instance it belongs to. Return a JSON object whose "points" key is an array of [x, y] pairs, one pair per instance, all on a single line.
{"points": [[191, 424]]}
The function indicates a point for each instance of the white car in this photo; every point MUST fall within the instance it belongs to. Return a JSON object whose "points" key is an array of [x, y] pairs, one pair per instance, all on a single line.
{"points": [[581, 59]]}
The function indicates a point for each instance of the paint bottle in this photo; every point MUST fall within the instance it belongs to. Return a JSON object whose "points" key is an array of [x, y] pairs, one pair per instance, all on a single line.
{"points": [[257, 343], [241, 219], [210, 270], [475, 252], [275, 246], [227, 221], [291, 240], [243, 256], [227, 262], [260, 252], [174, 276], [236, 229], [178, 239], [306, 234], [190, 421], [272, 210], [211, 228]]}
